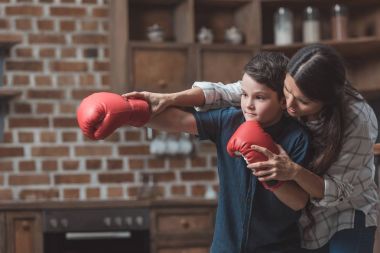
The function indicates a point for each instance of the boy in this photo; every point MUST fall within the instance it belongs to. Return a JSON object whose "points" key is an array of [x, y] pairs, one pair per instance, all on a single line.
{"points": [[249, 218]]}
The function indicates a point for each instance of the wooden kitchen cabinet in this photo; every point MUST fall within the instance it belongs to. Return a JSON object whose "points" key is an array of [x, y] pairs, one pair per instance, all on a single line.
{"points": [[181, 59], [182, 230], [23, 232]]}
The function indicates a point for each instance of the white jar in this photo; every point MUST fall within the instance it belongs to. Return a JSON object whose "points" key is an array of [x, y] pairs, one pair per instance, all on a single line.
{"points": [[283, 26], [311, 25]]}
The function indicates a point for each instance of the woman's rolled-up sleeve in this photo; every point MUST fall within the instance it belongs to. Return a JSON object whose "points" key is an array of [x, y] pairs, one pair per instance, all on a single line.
{"points": [[218, 95]]}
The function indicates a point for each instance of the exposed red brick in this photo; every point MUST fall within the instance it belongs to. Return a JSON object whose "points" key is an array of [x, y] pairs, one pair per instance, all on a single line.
{"points": [[45, 94], [90, 39], [24, 52], [177, 163], [21, 79], [4, 24], [197, 175], [90, 52], [68, 66], [21, 107], [198, 190], [156, 163], [70, 165], [100, 12], [67, 26], [28, 179], [24, 24], [6, 194], [113, 164], [7, 137], [46, 136], [50, 151], [68, 108], [198, 162], [39, 194], [43, 80], [133, 191], [69, 136], [6, 166], [27, 166], [49, 165], [47, 52], [25, 137], [105, 80], [115, 177], [164, 177], [81, 94], [115, 192], [89, 1], [101, 66], [136, 163], [65, 122], [93, 151], [89, 26], [72, 179], [71, 193], [11, 152], [68, 53], [66, 80], [47, 39], [45, 25], [27, 10], [93, 164], [67, 11], [87, 80], [23, 65], [28, 122], [132, 135], [178, 190], [134, 150], [92, 193], [45, 108]]}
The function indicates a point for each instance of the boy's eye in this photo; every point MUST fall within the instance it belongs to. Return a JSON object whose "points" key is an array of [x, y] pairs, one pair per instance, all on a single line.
{"points": [[260, 97]]}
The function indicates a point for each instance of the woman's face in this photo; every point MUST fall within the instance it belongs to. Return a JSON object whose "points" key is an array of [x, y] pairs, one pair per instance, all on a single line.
{"points": [[297, 104], [259, 102]]}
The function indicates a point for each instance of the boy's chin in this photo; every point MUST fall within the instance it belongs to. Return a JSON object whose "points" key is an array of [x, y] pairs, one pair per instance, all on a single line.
{"points": [[250, 118]]}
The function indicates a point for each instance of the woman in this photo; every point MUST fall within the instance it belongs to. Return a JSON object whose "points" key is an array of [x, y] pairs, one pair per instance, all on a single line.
{"points": [[341, 215]]}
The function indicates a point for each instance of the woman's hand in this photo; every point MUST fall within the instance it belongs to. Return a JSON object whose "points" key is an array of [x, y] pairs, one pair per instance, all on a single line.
{"points": [[279, 167], [158, 101]]}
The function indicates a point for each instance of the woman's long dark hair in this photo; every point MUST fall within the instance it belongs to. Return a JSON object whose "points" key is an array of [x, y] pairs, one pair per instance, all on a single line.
{"points": [[320, 74]]}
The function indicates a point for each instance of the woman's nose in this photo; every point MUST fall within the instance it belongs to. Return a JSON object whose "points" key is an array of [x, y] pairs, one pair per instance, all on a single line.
{"points": [[290, 101]]}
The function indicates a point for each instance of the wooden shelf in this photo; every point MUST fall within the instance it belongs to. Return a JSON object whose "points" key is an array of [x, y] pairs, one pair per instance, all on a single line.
{"points": [[363, 46], [8, 94], [9, 40]]}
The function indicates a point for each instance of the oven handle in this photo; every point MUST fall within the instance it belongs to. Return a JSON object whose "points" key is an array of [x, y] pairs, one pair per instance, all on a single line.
{"points": [[97, 235]]}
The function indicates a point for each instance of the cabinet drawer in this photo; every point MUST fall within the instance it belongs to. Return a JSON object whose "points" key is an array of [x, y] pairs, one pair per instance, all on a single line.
{"points": [[185, 222]]}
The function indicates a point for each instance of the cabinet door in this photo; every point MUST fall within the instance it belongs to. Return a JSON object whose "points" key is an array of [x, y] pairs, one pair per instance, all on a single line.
{"points": [[2, 233], [24, 232]]}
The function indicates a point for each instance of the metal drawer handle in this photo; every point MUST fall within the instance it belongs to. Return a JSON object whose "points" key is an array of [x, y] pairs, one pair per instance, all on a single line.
{"points": [[97, 235], [185, 223]]}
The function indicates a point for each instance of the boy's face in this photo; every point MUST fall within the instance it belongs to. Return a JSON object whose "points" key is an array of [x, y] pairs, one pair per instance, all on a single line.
{"points": [[261, 103]]}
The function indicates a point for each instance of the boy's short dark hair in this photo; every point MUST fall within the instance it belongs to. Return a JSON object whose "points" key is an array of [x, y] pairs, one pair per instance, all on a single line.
{"points": [[268, 68]]}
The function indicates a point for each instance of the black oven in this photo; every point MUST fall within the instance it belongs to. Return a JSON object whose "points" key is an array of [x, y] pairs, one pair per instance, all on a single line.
{"points": [[118, 230]]}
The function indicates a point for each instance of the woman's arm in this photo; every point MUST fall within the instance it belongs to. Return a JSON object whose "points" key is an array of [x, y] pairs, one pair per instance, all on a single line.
{"points": [[281, 167], [203, 96]]}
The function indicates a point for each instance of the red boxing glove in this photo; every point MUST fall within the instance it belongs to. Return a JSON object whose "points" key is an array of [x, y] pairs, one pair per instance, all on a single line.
{"points": [[100, 114], [250, 133]]}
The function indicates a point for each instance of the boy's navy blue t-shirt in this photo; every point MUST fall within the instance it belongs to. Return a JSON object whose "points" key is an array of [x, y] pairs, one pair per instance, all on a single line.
{"points": [[250, 218]]}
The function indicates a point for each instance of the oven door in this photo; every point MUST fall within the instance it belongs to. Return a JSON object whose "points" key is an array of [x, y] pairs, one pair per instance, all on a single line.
{"points": [[97, 242]]}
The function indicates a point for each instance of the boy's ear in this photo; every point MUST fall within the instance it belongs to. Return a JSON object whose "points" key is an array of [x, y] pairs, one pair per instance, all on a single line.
{"points": [[283, 103]]}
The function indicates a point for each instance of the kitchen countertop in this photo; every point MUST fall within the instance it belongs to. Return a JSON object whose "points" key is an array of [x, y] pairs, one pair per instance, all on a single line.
{"points": [[79, 204]]}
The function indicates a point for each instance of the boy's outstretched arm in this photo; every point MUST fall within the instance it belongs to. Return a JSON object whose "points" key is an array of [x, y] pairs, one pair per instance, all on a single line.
{"points": [[174, 120]]}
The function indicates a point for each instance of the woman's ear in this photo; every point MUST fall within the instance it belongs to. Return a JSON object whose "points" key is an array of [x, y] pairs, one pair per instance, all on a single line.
{"points": [[283, 103]]}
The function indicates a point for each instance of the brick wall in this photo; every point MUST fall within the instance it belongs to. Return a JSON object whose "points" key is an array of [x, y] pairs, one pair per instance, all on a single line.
{"points": [[62, 58]]}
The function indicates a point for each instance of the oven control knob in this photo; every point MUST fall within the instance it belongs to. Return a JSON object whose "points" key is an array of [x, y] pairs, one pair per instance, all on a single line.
{"points": [[118, 221], [129, 220], [64, 223], [107, 221], [53, 223], [139, 220]]}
